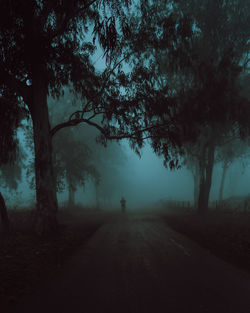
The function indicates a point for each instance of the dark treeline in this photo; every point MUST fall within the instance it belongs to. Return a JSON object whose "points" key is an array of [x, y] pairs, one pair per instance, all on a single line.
{"points": [[176, 76]]}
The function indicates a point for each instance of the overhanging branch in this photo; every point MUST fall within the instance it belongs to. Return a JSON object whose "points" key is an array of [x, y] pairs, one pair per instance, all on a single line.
{"points": [[74, 122]]}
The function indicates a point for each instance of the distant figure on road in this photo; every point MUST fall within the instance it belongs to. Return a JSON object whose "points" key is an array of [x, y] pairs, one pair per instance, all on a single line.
{"points": [[123, 204]]}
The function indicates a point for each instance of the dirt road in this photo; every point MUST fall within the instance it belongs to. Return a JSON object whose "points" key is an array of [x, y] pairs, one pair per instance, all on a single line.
{"points": [[135, 264]]}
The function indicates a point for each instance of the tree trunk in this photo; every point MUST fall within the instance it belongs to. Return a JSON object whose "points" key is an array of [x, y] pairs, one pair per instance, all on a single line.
{"points": [[202, 180], [196, 184], [46, 220], [225, 167], [97, 196], [201, 199], [206, 169], [71, 198], [209, 173], [196, 190], [4, 215]]}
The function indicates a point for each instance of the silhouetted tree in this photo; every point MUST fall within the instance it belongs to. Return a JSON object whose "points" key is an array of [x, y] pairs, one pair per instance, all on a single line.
{"points": [[194, 70], [44, 46], [73, 162], [86, 159], [232, 149], [191, 162], [10, 117]]}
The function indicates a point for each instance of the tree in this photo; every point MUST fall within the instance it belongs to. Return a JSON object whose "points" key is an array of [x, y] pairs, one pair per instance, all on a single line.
{"points": [[43, 47], [191, 162], [10, 117], [10, 176], [199, 158], [231, 150], [72, 162], [78, 153], [194, 72], [108, 161]]}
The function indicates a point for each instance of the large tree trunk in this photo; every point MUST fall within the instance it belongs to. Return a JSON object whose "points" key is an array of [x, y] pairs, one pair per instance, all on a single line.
{"points": [[4, 215], [46, 220], [225, 167], [206, 171]]}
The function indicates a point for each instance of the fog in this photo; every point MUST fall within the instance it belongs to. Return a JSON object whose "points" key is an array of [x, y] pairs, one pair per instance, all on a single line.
{"points": [[142, 180]]}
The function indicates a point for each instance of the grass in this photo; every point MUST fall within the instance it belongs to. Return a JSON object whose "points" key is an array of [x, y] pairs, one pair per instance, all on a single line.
{"points": [[27, 260], [225, 234]]}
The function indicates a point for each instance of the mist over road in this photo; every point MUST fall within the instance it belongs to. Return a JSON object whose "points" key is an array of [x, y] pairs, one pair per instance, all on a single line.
{"points": [[136, 264]]}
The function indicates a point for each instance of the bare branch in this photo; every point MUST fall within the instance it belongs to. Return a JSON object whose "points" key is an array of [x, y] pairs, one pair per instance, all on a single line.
{"points": [[75, 113], [79, 114], [69, 15], [74, 122]]}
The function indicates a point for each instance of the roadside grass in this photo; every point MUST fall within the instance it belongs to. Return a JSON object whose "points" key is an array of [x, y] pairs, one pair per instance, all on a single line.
{"points": [[27, 260], [226, 234]]}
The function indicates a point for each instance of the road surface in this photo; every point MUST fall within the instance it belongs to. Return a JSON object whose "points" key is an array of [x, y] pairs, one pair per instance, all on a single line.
{"points": [[136, 264]]}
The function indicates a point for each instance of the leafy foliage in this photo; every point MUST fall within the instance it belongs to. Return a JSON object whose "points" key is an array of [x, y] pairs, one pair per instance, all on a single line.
{"points": [[186, 73], [10, 116]]}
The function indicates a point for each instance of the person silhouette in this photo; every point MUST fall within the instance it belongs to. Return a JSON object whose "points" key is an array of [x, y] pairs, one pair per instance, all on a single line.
{"points": [[123, 204]]}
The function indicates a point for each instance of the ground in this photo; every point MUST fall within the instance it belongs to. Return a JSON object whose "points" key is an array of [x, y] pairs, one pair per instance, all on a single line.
{"points": [[226, 234], [26, 260], [126, 263]]}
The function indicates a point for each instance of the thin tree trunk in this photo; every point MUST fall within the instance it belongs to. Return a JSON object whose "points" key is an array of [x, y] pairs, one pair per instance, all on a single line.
{"points": [[206, 178], [71, 198], [225, 167], [196, 184], [46, 220], [209, 174], [4, 215], [97, 195], [201, 200], [196, 190], [202, 180]]}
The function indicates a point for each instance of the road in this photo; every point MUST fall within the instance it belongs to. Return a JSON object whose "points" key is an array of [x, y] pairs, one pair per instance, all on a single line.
{"points": [[136, 264]]}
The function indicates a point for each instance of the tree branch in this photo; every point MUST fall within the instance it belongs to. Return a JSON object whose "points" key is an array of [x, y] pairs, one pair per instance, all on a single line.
{"points": [[75, 122], [106, 80], [79, 114]]}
